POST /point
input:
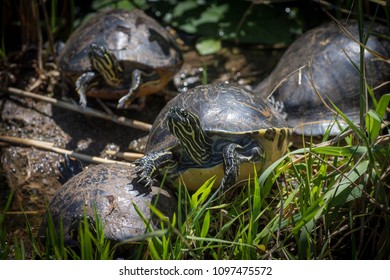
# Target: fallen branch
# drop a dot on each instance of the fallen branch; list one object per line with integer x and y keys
{"x": 50, "y": 147}
{"x": 77, "y": 108}
{"x": 32, "y": 212}
{"x": 125, "y": 155}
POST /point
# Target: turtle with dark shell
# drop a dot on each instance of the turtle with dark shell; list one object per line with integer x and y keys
{"x": 322, "y": 67}
{"x": 221, "y": 130}
{"x": 120, "y": 54}
{"x": 113, "y": 190}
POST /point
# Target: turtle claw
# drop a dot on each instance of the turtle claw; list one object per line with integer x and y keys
{"x": 126, "y": 102}
{"x": 81, "y": 85}
{"x": 144, "y": 172}
{"x": 122, "y": 102}
{"x": 138, "y": 169}
{"x": 69, "y": 168}
{"x": 136, "y": 82}
{"x": 147, "y": 180}
{"x": 83, "y": 101}
{"x": 150, "y": 166}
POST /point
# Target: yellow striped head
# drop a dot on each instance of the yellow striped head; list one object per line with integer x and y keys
{"x": 187, "y": 128}
{"x": 106, "y": 64}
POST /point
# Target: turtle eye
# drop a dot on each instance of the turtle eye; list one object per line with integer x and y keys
{"x": 183, "y": 113}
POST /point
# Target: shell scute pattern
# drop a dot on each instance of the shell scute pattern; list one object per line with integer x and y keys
{"x": 236, "y": 127}
{"x": 321, "y": 66}
{"x": 143, "y": 50}
{"x": 112, "y": 189}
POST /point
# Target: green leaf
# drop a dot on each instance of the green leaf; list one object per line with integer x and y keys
{"x": 373, "y": 124}
{"x": 183, "y": 7}
{"x": 383, "y": 103}
{"x": 152, "y": 250}
{"x": 256, "y": 206}
{"x": 232, "y": 20}
{"x": 267, "y": 172}
{"x": 340, "y": 151}
{"x": 350, "y": 123}
{"x": 346, "y": 190}
{"x": 158, "y": 213}
{"x": 374, "y": 118}
{"x": 205, "y": 226}
{"x": 121, "y": 4}
{"x": 208, "y": 46}
{"x": 313, "y": 212}
{"x": 339, "y": 194}
{"x": 202, "y": 193}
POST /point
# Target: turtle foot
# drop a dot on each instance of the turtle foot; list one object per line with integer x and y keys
{"x": 144, "y": 170}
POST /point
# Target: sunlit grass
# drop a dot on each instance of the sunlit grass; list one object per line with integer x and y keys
{"x": 324, "y": 201}
{"x": 318, "y": 202}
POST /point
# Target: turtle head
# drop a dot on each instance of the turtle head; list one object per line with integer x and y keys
{"x": 187, "y": 128}
{"x": 106, "y": 64}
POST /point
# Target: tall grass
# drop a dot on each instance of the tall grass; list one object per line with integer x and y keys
{"x": 318, "y": 202}
{"x": 4, "y": 247}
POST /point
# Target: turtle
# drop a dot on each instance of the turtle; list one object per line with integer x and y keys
{"x": 221, "y": 130}
{"x": 120, "y": 54}
{"x": 112, "y": 189}
{"x": 322, "y": 66}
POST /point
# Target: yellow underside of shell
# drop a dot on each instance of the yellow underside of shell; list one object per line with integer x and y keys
{"x": 274, "y": 148}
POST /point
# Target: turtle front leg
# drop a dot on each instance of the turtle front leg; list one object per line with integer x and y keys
{"x": 233, "y": 156}
{"x": 69, "y": 168}
{"x": 136, "y": 81}
{"x": 82, "y": 85}
{"x": 150, "y": 165}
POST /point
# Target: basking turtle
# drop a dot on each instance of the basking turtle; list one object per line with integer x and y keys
{"x": 120, "y": 54}
{"x": 112, "y": 189}
{"x": 221, "y": 130}
{"x": 324, "y": 62}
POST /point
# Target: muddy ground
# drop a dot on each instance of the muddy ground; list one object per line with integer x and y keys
{"x": 31, "y": 174}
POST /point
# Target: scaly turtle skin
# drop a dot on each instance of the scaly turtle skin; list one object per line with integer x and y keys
{"x": 321, "y": 54}
{"x": 221, "y": 130}
{"x": 120, "y": 54}
{"x": 113, "y": 188}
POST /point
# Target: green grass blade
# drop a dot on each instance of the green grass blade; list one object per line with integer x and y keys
{"x": 19, "y": 250}
{"x": 256, "y": 204}
{"x": 202, "y": 193}
{"x": 158, "y": 213}
{"x": 346, "y": 151}
{"x": 351, "y": 124}
{"x": 4, "y": 246}
{"x": 267, "y": 172}
{"x": 374, "y": 118}
{"x": 222, "y": 241}
{"x": 152, "y": 250}
{"x": 347, "y": 189}
{"x": 205, "y": 224}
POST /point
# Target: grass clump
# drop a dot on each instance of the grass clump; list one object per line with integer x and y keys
{"x": 326, "y": 201}
{"x": 335, "y": 201}
{"x": 4, "y": 246}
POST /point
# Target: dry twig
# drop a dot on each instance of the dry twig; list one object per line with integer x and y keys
{"x": 76, "y": 108}
{"x": 50, "y": 147}
{"x": 126, "y": 155}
